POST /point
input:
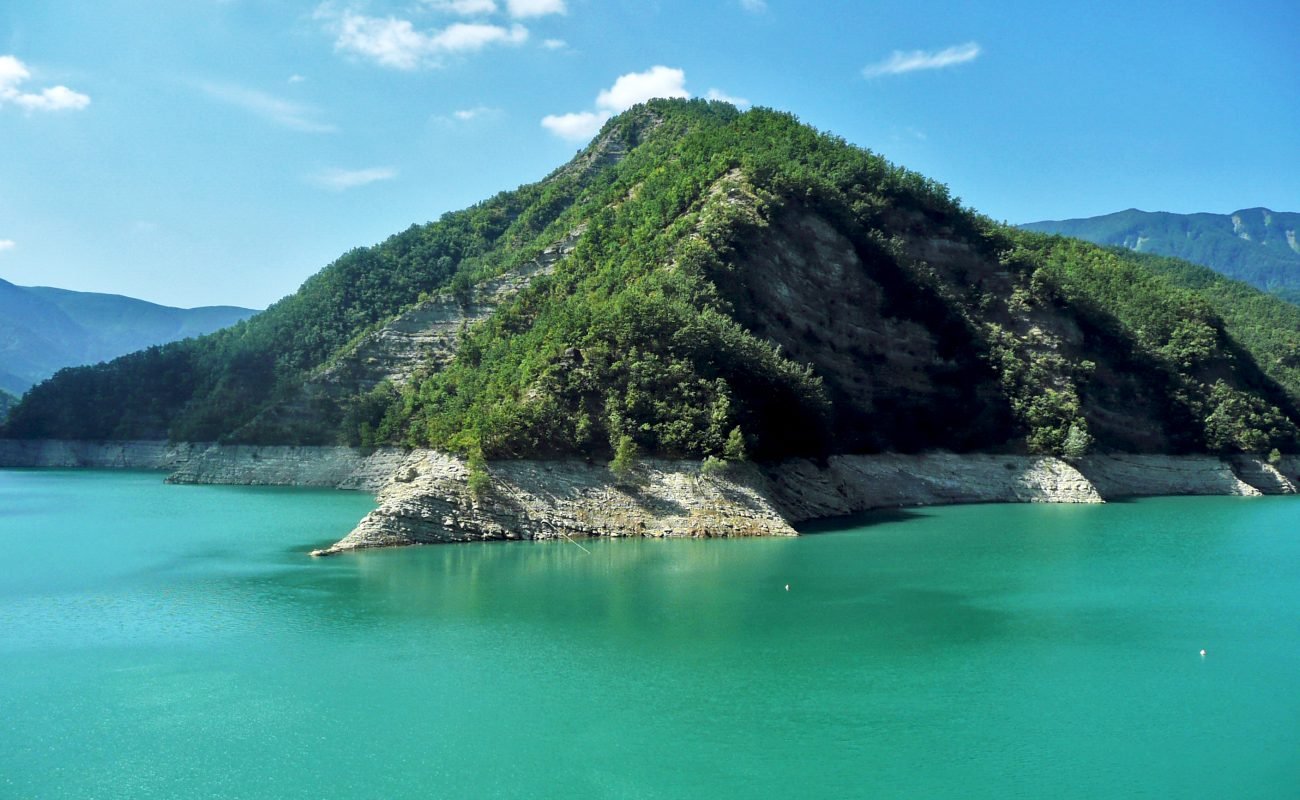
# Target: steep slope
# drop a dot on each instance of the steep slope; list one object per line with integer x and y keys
{"x": 1254, "y": 245}
{"x": 703, "y": 283}
{"x": 43, "y": 329}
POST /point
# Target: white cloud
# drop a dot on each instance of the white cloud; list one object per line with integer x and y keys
{"x": 465, "y": 8}
{"x": 555, "y": 44}
{"x": 900, "y": 62}
{"x": 462, "y": 37}
{"x": 627, "y": 91}
{"x": 638, "y": 87}
{"x": 295, "y": 78}
{"x": 338, "y": 180}
{"x": 393, "y": 42}
{"x": 7, "y": 244}
{"x": 478, "y": 112}
{"x": 390, "y": 42}
{"x": 754, "y": 6}
{"x": 520, "y": 9}
{"x": 55, "y": 98}
{"x": 285, "y": 113}
{"x": 576, "y": 127}
{"x": 718, "y": 94}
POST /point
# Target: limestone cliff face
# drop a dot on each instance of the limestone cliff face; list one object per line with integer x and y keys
{"x": 849, "y": 484}
{"x": 1145, "y": 475}
{"x": 428, "y": 502}
{"x": 282, "y": 465}
{"x": 423, "y": 495}
{"x": 65, "y": 453}
{"x": 187, "y": 462}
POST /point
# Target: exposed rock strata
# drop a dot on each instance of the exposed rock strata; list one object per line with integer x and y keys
{"x": 423, "y": 496}
{"x": 849, "y": 484}
{"x": 1148, "y": 475}
{"x": 336, "y": 467}
{"x": 424, "y": 337}
{"x": 146, "y": 455}
{"x": 428, "y": 502}
{"x": 188, "y": 462}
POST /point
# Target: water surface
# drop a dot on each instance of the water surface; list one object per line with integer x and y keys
{"x": 174, "y": 641}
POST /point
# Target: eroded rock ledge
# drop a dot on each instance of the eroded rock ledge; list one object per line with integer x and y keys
{"x": 428, "y": 502}
{"x": 423, "y": 495}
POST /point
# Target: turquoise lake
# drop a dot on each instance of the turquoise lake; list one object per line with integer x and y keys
{"x": 176, "y": 642}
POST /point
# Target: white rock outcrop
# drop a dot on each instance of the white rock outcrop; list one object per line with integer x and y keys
{"x": 424, "y": 498}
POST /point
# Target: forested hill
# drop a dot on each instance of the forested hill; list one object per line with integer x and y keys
{"x": 705, "y": 283}
{"x": 7, "y": 402}
{"x": 1254, "y": 245}
{"x": 43, "y": 329}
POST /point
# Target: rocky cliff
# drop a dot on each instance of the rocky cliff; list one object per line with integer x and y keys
{"x": 428, "y": 501}
{"x": 143, "y": 455}
{"x": 423, "y": 495}
{"x": 187, "y": 462}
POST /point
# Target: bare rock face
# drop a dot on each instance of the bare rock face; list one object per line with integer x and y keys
{"x": 428, "y": 502}
{"x": 850, "y": 484}
{"x": 1147, "y": 475}
{"x": 1260, "y": 474}
{"x": 287, "y": 465}
{"x": 424, "y": 496}
{"x": 66, "y": 453}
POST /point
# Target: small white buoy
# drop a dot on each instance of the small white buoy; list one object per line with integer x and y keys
{"x": 1202, "y": 654}
{"x": 787, "y": 588}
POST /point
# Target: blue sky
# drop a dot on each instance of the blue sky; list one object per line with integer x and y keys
{"x": 220, "y": 151}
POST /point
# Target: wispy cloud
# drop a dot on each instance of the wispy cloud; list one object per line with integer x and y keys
{"x": 296, "y": 78}
{"x": 478, "y": 112}
{"x": 754, "y": 6}
{"x": 338, "y": 180}
{"x": 55, "y": 98}
{"x": 397, "y": 43}
{"x": 7, "y": 244}
{"x": 521, "y": 9}
{"x": 555, "y": 44}
{"x": 466, "y": 8}
{"x": 276, "y": 110}
{"x": 627, "y": 91}
{"x": 716, "y": 94}
{"x": 901, "y": 61}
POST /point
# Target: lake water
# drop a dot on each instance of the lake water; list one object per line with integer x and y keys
{"x": 175, "y": 642}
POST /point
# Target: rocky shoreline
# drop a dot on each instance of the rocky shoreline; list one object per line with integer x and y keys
{"x": 423, "y": 495}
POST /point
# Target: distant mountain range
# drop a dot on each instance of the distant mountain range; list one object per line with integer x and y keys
{"x": 43, "y": 329}
{"x": 1254, "y": 245}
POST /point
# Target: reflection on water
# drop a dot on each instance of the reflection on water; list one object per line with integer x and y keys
{"x": 153, "y": 637}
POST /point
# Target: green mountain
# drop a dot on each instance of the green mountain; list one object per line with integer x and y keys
{"x": 43, "y": 330}
{"x": 1254, "y": 245}
{"x": 705, "y": 283}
